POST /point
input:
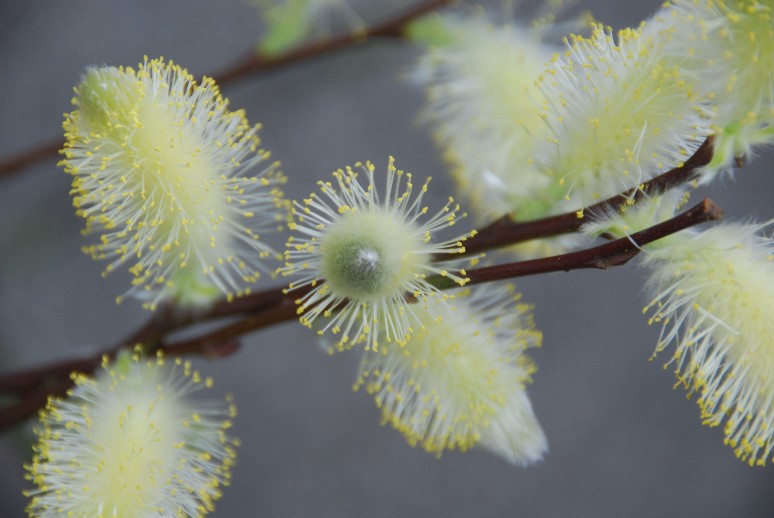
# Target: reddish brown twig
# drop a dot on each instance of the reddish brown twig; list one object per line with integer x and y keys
{"x": 24, "y": 382}
{"x": 284, "y": 311}
{"x": 221, "y": 341}
{"x": 17, "y": 412}
{"x": 614, "y": 253}
{"x": 21, "y": 161}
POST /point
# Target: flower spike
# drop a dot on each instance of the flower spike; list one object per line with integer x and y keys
{"x": 714, "y": 299}
{"x": 730, "y": 48}
{"x": 161, "y": 169}
{"x": 460, "y": 381}
{"x": 362, "y": 252}
{"x": 485, "y": 109}
{"x": 620, "y": 110}
{"x": 130, "y": 442}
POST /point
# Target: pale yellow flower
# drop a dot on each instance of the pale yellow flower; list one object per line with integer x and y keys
{"x": 367, "y": 250}
{"x": 730, "y": 49}
{"x": 131, "y": 442}
{"x": 460, "y": 380}
{"x": 713, "y": 296}
{"x": 174, "y": 183}
{"x": 620, "y": 111}
{"x": 485, "y": 108}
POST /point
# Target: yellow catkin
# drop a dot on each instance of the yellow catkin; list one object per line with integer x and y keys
{"x": 131, "y": 442}
{"x": 367, "y": 248}
{"x": 713, "y": 298}
{"x": 173, "y": 182}
{"x": 460, "y": 380}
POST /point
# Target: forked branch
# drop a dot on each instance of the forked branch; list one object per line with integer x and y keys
{"x": 270, "y": 307}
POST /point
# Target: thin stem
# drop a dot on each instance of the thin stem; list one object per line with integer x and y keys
{"x": 53, "y": 380}
{"x": 285, "y": 311}
{"x": 30, "y": 157}
{"x": 275, "y": 306}
{"x": 21, "y": 383}
{"x": 149, "y": 336}
{"x": 505, "y": 231}
{"x": 16, "y": 413}
{"x": 253, "y": 63}
{"x": 614, "y": 253}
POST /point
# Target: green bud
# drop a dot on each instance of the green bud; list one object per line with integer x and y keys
{"x": 356, "y": 267}
{"x": 106, "y": 96}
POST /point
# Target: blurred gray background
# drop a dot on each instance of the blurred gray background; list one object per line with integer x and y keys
{"x": 622, "y": 441}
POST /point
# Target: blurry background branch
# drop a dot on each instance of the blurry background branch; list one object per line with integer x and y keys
{"x": 255, "y": 63}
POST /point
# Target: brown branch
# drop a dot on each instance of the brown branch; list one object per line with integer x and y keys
{"x": 614, "y": 253}
{"x": 16, "y": 163}
{"x": 274, "y": 306}
{"x": 505, "y": 231}
{"x": 16, "y": 413}
{"x": 253, "y": 63}
{"x": 150, "y": 335}
{"x": 284, "y": 311}
{"x": 22, "y": 383}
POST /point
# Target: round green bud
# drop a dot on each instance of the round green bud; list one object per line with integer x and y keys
{"x": 368, "y": 256}
{"x": 107, "y": 95}
{"x": 356, "y": 268}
